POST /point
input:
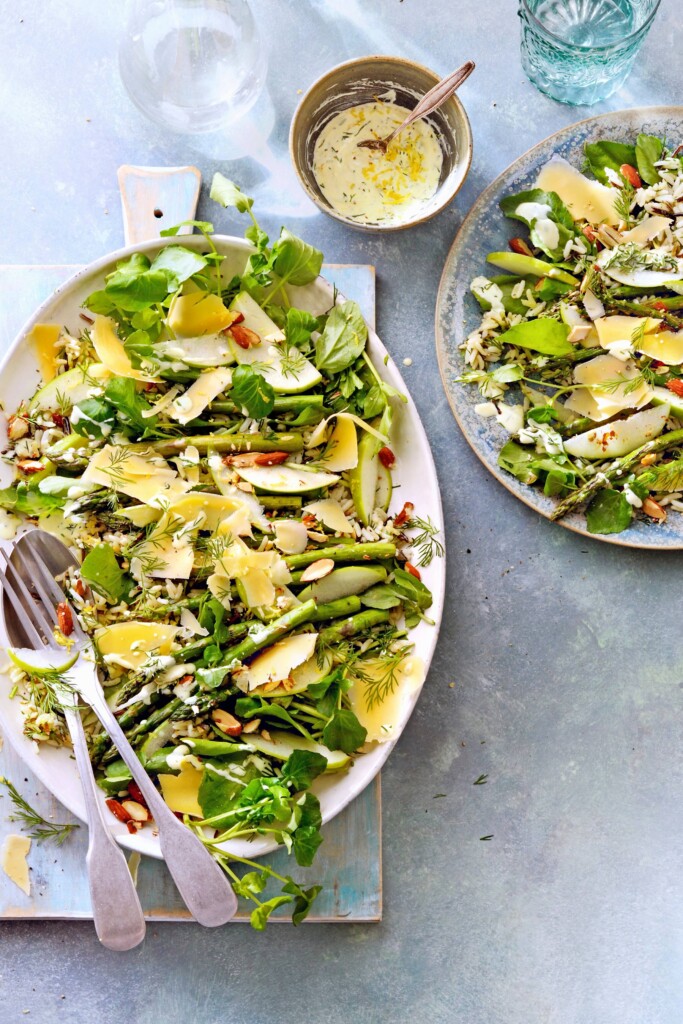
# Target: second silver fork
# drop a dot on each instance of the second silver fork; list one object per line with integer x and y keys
{"x": 117, "y": 914}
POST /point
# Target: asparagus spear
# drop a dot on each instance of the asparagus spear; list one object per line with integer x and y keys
{"x": 344, "y": 553}
{"x": 353, "y": 625}
{"x": 224, "y": 443}
{"x": 647, "y": 309}
{"x": 336, "y": 609}
{"x": 270, "y": 632}
{"x": 283, "y": 403}
{"x": 618, "y": 468}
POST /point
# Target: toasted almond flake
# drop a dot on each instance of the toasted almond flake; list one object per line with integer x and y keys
{"x": 252, "y": 726}
{"x": 135, "y": 810}
{"x": 316, "y": 570}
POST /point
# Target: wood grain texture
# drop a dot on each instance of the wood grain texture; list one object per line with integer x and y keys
{"x": 155, "y": 198}
{"x": 348, "y": 864}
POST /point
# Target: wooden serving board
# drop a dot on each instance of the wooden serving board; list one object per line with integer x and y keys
{"x": 348, "y": 864}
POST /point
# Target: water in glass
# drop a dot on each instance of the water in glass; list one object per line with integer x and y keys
{"x": 192, "y": 65}
{"x": 581, "y": 51}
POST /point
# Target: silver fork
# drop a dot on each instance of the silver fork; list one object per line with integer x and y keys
{"x": 200, "y": 880}
{"x": 117, "y": 914}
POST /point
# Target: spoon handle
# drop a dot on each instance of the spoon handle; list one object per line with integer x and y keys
{"x": 442, "y": 91}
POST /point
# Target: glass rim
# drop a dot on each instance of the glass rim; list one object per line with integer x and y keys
{"x": 524, "y": 4}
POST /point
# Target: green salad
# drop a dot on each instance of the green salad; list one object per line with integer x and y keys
{"x": 222, "y": 462}
{"x": 584, "y": 327}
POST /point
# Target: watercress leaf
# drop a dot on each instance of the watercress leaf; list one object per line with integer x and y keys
{"x": 507, "y": 373}
{"x": 483, "y": 293}
{"x": 217, "y": 793}
{"x": 144, "y": 319}
{"x": 344, "y": 732}
{"x": 412, "y": 589}
{"x": 648, "y": 151}
{"x": 212, "y": 654}
{"x": 304, "y": 899}
{"x": 299, "y": 325}
{"x": 318, "y": 690}
{"x": 294, "y": 260}
{"x": 380, "y": 596}
{"x": 133, "y": 285}
{"x": 549, "y": 337}
{"x": 302, "y": 767}
{"x": 211, "y": 678}
{"x": 519, "y": 461}
{"x": 558, "y": 481}
{"x": 305, "y": 842}
{"x": 374, "y": 401}
{"x": 121, "y": 392}
{"x": 93, "y": 417}
{"x": 524, "y": 207}
{"x": 541, "y": 414}
{"x": 257, "y": 237}
{"x": 342, "y": 340}
{"x": 179, "y": 264}
{"x": 29, "y": 502}
{"x": 100, "y": 302}
{"x": 310, "y": 813}
{"x": 309, "y": 415}
{"x": 101, "y": 571}
{"x": 602, "y": 155}
{"x": 227, "y": 193}
{"x": 204, "y": 226}
{"x": 548, "y": 289}
{"x": 251, "y": 391}
{"x": 608, "y": 512}
{"x": 259, "y": 916}
{"x": 254, "y": 881}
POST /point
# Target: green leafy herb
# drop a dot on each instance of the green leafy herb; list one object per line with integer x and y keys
{"x": 93, "y": 417}
{"x": 227, "y": 193}
{"x": 519, "y": 461}
{"x": 29, "y": 502}
{"x": 342, "y": 340}
{"x": 557, "y": 212}
{"x": 252, "y": 392}
{"x": 666, "y": 477}
{"x": 134, "y": 285}
{"x": 549, "y": 337}
{"x": 299, "y": 325}
{"x": 344, "y": 732}
{"x": 605, "y": 154}
{"x": 648, "y": 151}
{"x": 426, "y": 542}
{"x": 122, "y": 393}
{"x": 33, "y": 822}
{"x": 102, "y": 572}
{"x": 179, "y": 264}
{"x": 302, "y": 767}
{"x": 608, "y": 512}
{"x": 294, "y": 260}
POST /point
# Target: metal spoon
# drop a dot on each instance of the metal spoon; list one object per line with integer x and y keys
{"x": 430, "y": 102}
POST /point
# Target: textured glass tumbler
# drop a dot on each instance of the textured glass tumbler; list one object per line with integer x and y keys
{"x": 192, "y": 65}
{"x": 581, "y": 51}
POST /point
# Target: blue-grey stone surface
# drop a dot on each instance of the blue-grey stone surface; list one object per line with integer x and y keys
{"x": 565, "y": 653}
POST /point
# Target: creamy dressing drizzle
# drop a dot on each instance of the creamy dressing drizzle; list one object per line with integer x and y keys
{"x": 373, "y": 187}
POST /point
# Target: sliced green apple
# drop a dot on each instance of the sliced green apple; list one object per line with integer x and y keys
{"x": 518, "y": 263}
{"x": 70, "y": 388}
{"x": 662, "y": 396}
{"x": 41, "y": 663}
{"x": 620, "y": 437}
{"x": 282, "y": 744}
{"x": 344, "y": 582}
{"x": 286, "y": 479}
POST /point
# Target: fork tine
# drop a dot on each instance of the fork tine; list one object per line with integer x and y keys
{"x": 51, "y": 594}
{"x": 24, "y": 607}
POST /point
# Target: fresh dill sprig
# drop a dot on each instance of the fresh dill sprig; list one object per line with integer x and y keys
{"x": 624, "y": 201}
{"x": 646, "y": 376}
{"x": 33, "y": 823}
{"x": 380, "y": 685}
{"x": 426, "y": 542}
{"x": 668, "y": 477}
{"x": 42, "y": 691}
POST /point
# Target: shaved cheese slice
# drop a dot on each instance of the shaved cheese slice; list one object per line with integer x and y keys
{"x": 213, "y": 511}
{"x": 331, "y": 514}
{"x": 181, "y": 792}
{"x": 382, "y": 718}
{"x": 341, "y": 452}
{"x": 163, "y": 402}
{"x": 15, "y": 850}
{"x": 258, "y": 589}
{"x": 666, "y": 346}
{"x": 148, "y": 478}
{"x": 317, "y": 436}
{"x": 194, "y": 401}
{"x": 276, "y": 662}
{"x": 164, "y": 555}
{"x": 583, "y": 403}
{"x": 602, "y": 374}
{"x": 291, "y": 536}
{"x": 132, "y": 642}
{"x": 111, "y": 352}
{"x": 44, "y": 338}
{"x": 198, "y": 313}
{"x": 613, "y": 329}
{"x": 258, "y": 572}
{"x": 140, "y": 515}
{"x": 648, "y": 229}
{"x": 190, "y": 622}
{"x": 585, "y": 199}
{"x": 618, "y": 263}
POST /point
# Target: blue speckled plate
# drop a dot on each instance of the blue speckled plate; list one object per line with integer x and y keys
{"x": 486, "y": 230}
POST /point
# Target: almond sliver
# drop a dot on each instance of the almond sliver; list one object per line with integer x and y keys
{"x": 316, "y": 570}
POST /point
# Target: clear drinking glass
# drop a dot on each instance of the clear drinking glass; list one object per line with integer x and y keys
{"x": 581, "y": 51}
{"x": 192, "y": 65}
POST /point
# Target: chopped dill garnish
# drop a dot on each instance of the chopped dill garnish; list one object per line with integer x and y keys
{"x": 32, "y": 822}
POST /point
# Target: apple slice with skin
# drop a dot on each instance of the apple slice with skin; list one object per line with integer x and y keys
{"x": 620, "y": 437}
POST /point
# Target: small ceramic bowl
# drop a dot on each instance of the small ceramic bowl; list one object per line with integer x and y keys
{"x": 362, "y": 81}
